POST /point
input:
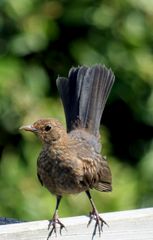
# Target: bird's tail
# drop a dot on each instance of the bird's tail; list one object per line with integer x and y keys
{"x": 84, "y": 94}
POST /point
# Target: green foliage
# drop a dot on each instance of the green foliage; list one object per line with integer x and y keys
{"x": 41, "y": 39}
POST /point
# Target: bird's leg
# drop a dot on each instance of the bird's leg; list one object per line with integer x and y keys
{"x": 94, "y": 215}
{"x": 55, "y": 220}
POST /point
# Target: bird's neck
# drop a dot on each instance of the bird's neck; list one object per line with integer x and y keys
{"x": 59, "y": 143}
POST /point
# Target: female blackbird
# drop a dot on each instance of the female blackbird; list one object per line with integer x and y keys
{"x": 70, "y": 161}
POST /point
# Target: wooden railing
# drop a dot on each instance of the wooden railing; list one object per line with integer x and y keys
{"x": 124, "y": 225}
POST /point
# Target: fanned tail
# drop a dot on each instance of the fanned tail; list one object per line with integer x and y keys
{"x": 84, "y": 94}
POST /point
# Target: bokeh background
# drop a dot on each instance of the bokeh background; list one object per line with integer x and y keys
{"x": 40, "y": 40}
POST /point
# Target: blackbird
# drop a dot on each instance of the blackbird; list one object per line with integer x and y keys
{"x": 70, "y": 161}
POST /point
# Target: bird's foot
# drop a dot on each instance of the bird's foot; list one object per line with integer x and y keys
{"x": 52, "y": 226}
{"x": 99, "y": 222}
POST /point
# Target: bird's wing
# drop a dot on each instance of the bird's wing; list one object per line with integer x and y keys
{"x": 97, "y": 173}
{"x": 104, "y": 175}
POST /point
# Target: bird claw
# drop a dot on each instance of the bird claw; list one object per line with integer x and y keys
{"x": 53, "y": 226}
{"x": 99, "y": 222}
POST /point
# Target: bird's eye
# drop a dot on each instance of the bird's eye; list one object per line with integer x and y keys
{"x": 47, "y": 128}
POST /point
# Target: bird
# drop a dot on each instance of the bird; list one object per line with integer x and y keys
{"x": 70, "y": 161}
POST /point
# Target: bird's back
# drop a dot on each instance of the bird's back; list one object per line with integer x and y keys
{"x": 96, "y": 171}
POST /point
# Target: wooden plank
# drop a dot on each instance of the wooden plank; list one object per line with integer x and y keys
{"x": 124, "y": 225}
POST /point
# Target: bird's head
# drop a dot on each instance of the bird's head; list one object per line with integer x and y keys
{"x": 48, "y": 130}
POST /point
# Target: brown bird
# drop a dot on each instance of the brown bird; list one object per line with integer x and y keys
{"x": 70, "y": 161}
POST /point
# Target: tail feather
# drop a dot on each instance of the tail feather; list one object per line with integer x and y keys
{"x": 84, "y": 94}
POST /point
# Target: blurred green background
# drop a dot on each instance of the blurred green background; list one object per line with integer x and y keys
{"x": 40, "y": 40}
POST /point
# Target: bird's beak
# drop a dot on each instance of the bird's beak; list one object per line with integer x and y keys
{"x": 29, "y": 128}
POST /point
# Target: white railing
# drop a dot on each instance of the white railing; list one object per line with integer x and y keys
{"x": 124, "y": 225}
